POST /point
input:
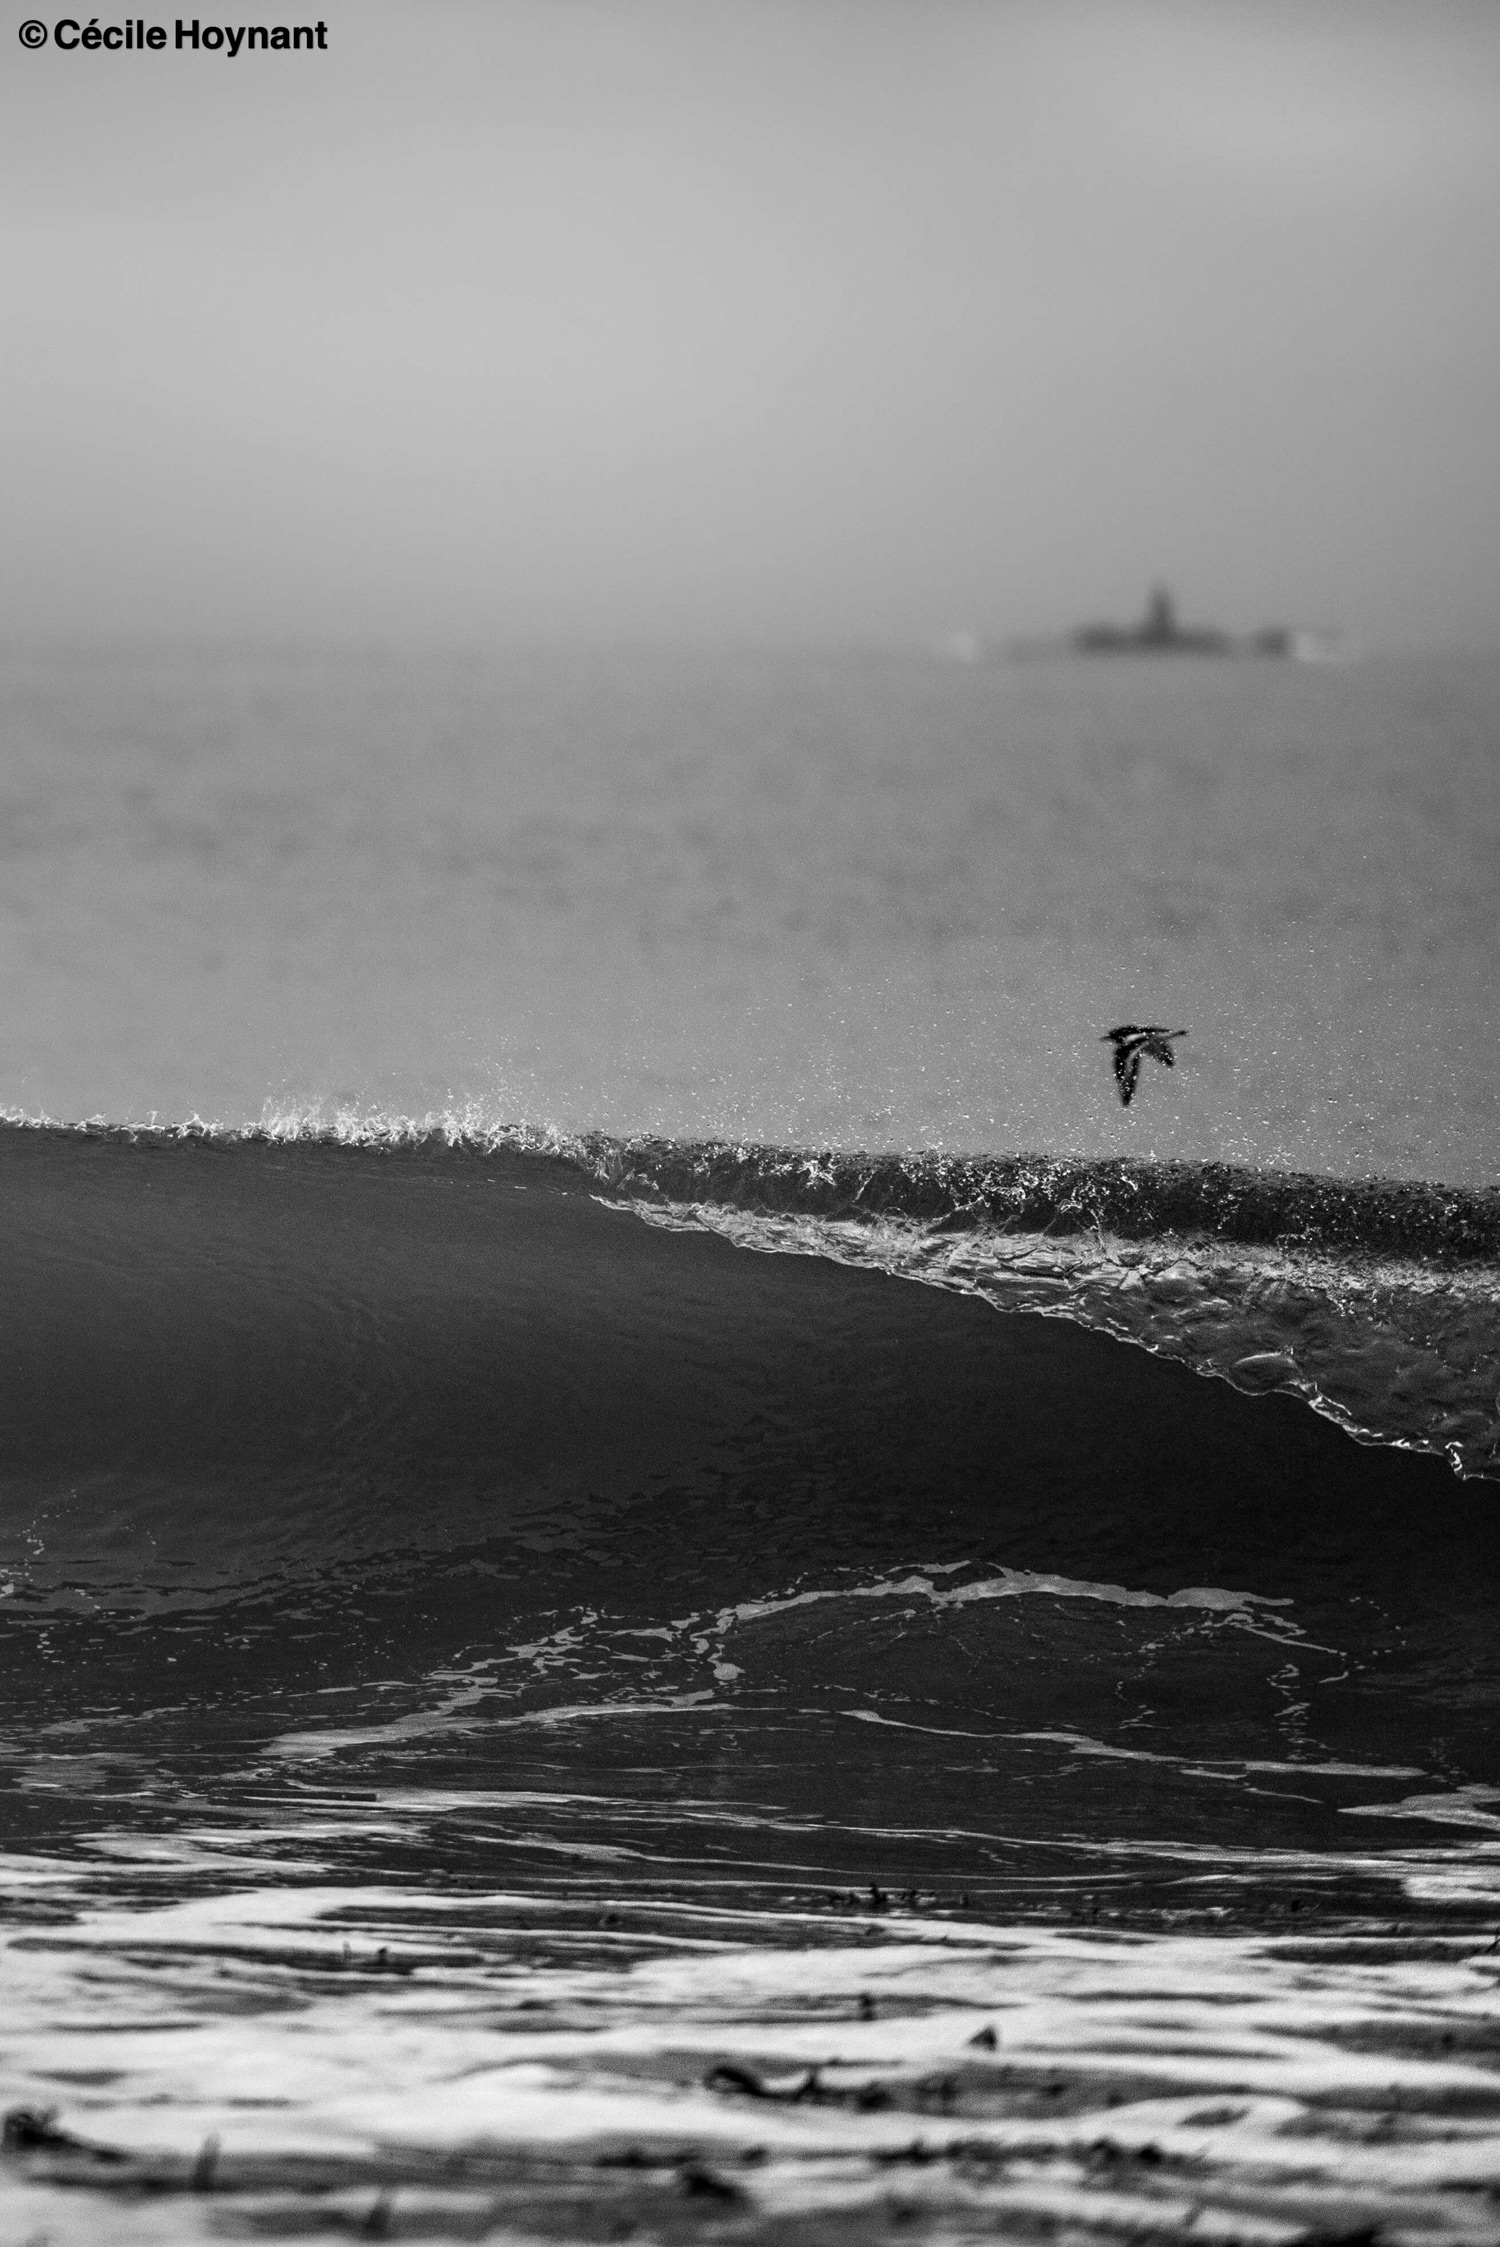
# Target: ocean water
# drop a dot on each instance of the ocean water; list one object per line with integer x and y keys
{"x": 866, "y": 902}
{"x": 658, "y": 1576}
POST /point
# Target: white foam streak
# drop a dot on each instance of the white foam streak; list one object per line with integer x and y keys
{"x": 1247, "y": 2080}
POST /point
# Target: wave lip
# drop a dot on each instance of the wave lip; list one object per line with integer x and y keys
{"x": 1128, "y": 1197}
{"x": 1131, "y": 1199}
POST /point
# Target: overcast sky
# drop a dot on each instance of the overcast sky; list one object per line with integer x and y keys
{"x": 748, "y": 319}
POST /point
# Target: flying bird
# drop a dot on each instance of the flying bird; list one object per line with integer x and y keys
{"x": 1131, "y": 1040}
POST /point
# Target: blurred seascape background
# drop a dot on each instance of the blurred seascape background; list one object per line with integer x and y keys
{"x": 865, "y": 899}
{"x": 497, "y": 508}
{"x": 544, "y": 749}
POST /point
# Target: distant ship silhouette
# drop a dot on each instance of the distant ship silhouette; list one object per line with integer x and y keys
{"x": 1159, "y": 633}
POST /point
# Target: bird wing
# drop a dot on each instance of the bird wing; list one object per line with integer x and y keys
{"x": 1127, "y": 1069}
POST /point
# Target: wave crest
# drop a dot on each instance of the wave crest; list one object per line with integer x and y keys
{"x": 1376, "y": 1301}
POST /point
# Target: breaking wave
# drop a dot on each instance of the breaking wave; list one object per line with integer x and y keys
{"x": 1377, "y": 1302}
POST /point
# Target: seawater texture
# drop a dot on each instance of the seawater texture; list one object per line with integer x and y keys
{"x": 524, "y": 1720}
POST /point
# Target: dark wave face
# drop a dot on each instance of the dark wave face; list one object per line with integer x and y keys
{"x": 520, "y": 1715}
{"x": 283, "y": 1417}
